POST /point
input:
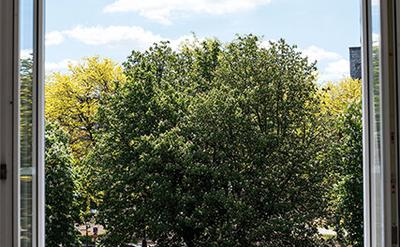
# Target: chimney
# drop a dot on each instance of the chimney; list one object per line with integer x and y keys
{"x": 355, "y": 62}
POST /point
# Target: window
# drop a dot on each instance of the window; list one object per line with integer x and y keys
{"x": 225, "y": 136}
{"x": 230, "y": 135}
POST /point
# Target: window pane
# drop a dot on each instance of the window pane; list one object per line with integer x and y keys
{"x": 27, "y": 170}
{"x": 376, "y": 114}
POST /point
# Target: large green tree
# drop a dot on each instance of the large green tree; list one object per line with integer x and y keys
{"x": 213, "y": 145}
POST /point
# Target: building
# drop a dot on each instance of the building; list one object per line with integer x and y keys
{"x": 355, "y": 62}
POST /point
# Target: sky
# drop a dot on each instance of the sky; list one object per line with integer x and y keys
{"x": 322, "y": 29}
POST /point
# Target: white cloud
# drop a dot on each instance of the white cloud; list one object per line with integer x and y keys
{"x": 266, "y": 43}
{"x": 54, "y": 38}
{"x": 163, "y": 11}
{"x": 335, "y": 71}
{"x": 25, "y": 54}
{"x": 376, "y": 38}
{"x": 332, "y": 66}
{"x": 98, "y": 35}
{"x": 185, "y": 39}
{"x": 59, "y": 66}
{"x": 112, "y": 34}
{"x": 319, "y": 54}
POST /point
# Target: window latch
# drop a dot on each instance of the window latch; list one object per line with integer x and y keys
{"x": 3, "y": 172}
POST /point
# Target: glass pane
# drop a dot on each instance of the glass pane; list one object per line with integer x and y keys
{"x": 376, "y": 115}
{"x": 26, "y": 122}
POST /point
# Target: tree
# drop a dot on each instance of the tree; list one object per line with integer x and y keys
{"x": 342, "y": 108}
{"x": 213, "y": 145}
{"x": 61, "y": 190}
{"x": 72, "y": 101}
{"x": 350, "y": 187}
{"x": 336, "y": 97}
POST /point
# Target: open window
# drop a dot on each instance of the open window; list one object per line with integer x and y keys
{"x": 22, "y": 202}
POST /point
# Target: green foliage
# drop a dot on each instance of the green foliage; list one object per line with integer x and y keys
{"x": 72, "y": 101}
{"x": 210, "y": 145}
{"x": 61, "y": 193}
{"x": 213, "y": 145}
{"x": 349, "y": 189}
{"x": 343, "y": 115}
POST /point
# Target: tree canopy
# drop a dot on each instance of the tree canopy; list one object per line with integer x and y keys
{"x": 213, "y": 145}
{"x": 72, "y": 98}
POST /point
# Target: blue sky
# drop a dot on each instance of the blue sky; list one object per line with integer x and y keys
{"x": 322, "y": 29}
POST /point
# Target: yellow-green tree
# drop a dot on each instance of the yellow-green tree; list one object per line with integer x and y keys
{"x": 72, "y": 102}
{"x": 72, "y": 98}
{"x": 342, "y": 108}
{"x": 336, "y": 96}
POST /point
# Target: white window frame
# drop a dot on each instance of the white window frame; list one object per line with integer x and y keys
{"x": 386, "y": 234}
{"x": 9, "y": 123}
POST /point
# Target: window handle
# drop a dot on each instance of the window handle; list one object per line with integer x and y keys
{"x": 3, "y": 172}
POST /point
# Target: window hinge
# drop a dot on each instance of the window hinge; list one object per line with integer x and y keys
{"x": 3, "y": 172}
{"x": 392, "y": 137}
{"x": 394, "y": 234}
